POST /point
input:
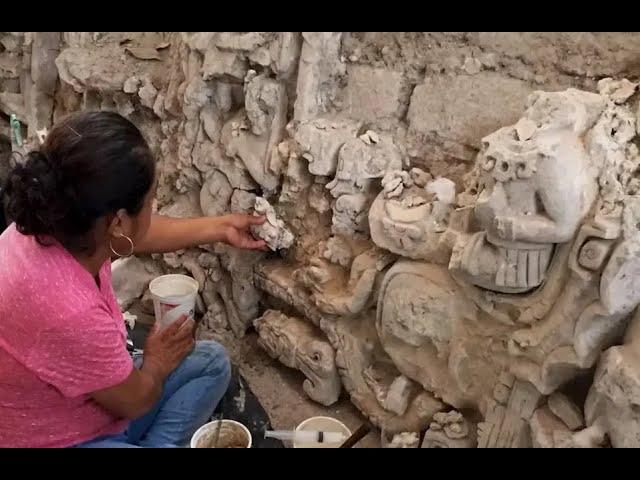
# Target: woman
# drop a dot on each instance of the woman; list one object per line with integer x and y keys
{"x": 66, "y": 378}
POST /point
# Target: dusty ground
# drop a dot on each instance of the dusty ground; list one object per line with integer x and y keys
{"x": 279, "y": 389}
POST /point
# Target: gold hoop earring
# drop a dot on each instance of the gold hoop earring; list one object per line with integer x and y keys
{"x": 117, "y": 254}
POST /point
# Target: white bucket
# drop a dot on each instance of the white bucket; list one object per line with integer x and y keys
{"x": 324, "y": 424}
{"x": 205, "y": 434}
{"x": 173, "y": 296}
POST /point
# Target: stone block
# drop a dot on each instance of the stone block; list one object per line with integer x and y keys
{"x": 373, "y": 93}
{"x": 467, "y": 107}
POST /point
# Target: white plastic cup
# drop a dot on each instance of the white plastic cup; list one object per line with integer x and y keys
{"x": 209, "y": 430}
{"x": 323, "y": 424}
{"x": 173, "y": 296}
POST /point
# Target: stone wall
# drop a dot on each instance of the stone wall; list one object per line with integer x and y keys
{"x": 437, "y": 92}
{"x": 331, "y": 128}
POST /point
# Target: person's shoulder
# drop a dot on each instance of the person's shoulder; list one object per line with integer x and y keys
{"x": 25, "y": 252}
{"x": 9, "y": 235}
{"x": 45, "y": 267}
{"x": 40, "y": 286}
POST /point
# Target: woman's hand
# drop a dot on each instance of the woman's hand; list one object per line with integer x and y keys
{"x": 165, "y": 349}
{"x": 236, "y": 231}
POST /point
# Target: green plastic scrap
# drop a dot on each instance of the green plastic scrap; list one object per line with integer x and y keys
{"x": 16, "y": 130}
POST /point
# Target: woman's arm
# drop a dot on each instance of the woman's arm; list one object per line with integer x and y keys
{"x": 136, "y": 395}
{"x": 163, "y": 351}
{"x": 167, "y": 234}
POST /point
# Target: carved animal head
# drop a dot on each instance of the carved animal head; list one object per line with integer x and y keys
{"x": 316, "y": 359}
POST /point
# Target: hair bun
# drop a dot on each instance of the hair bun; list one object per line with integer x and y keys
{"x": 33, "y": 196}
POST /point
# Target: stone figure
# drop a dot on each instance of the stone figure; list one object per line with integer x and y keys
{"x": 411, "y": 214}
{"x": 361, "y": 161}
{"x": 298, "y": 344}
{"x": 525, "y": 206}
{"x": 538, "y": 281}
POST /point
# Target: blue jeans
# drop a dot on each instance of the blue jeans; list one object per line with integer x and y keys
{"x": 188, "y": 400}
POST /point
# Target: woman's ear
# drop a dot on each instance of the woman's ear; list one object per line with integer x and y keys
{"x": 119, "y": 224}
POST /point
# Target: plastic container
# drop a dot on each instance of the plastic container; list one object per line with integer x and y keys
{"x": 205, "y": 434}
{"x": 173, "y": 296}
{"x": 324, "y": 424}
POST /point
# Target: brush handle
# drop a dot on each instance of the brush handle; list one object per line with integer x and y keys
{"x": 358, "y": 435}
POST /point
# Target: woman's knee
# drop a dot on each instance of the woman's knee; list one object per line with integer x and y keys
{"x": 217, "y": 362}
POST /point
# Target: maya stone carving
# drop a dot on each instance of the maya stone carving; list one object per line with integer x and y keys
{"x": 451, "y": 266}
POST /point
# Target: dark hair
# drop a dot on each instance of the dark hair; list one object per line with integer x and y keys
{"x": 91, "y": 164}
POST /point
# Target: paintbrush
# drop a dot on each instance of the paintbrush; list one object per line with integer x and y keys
{"x": 356, "y": 436}
{"x": 216, "y": 435}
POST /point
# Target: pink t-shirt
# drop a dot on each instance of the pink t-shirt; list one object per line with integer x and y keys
{"x": 61, "y": 338}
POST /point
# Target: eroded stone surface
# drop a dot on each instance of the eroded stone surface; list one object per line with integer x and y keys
{"x": 563, "y": 408}
{"x": 273, "y": 230}
{"x": 450, "y": 430}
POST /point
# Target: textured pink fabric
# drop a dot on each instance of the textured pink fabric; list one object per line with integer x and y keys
{"x": 61, "y": 338}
